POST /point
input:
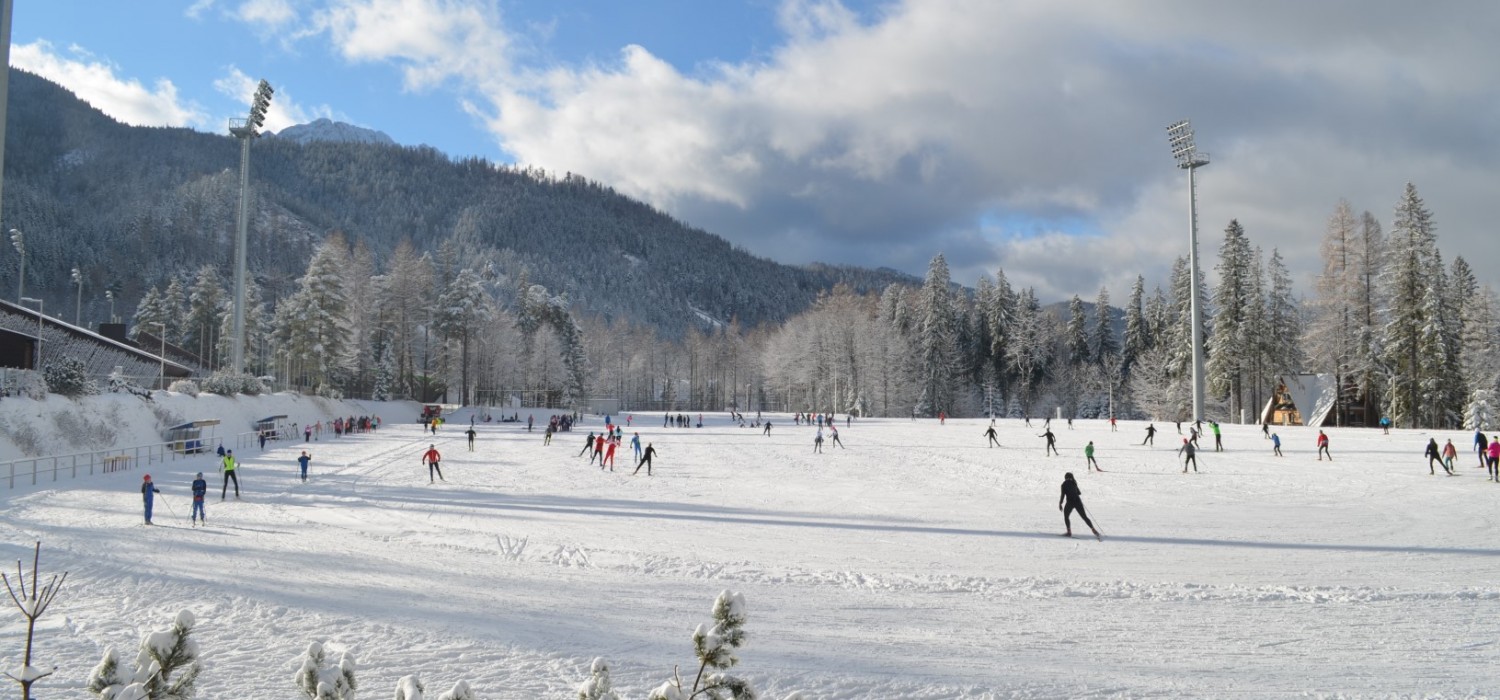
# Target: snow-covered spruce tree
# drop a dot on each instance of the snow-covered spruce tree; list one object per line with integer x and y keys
{"x": 1481, "y": 343}
{"x": 174, "y": 309}
{"x": 461, "y": 308}
{"x": 1480, "y": 413}
{"x": 598, "y": 685}
{"x": 319, "y": 680}
{"x": 385, "y": 375}
{"x": 1030, "y": 346}
{"x": 1137, "y": 329}
{"x": 1440, "y": 389}
{"x": 1227, "y": 354}
{"x": 1411, "y": 254}
{"x": 67, "y": 376}
{"x": 1076, "y": 335}
{"x": 149, "y": 311}
{"x": 936, "y": 337}
{"x": 714, "y": 646}
{"x": 166, "y": 667}
{"x": 313, "y": 325}
{"x": 1103, "y": 346}
{"x": 201, "y": 325}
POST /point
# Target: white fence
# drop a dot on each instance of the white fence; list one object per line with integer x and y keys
{"x": 39, "y": 469}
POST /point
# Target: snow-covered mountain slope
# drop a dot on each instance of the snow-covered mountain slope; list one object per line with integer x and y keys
{"x": 327, "y": 130}
{"x": 916, "y": 563}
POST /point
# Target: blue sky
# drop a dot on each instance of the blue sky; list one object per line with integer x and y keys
{"x": 1013, "y": 134}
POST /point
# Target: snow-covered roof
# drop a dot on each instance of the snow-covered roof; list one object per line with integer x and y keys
{"x": 28, "y": 316}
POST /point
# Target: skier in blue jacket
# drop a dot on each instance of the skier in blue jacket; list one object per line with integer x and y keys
{"x": 148, "y": 493}
{"x": 200, "y": 489}
{"x": 303, "y": 460}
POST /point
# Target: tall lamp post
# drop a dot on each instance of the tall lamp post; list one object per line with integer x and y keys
{"x": 110, "y": 295}
{"x": 39, "y": 313}
{"x": 245, "y": 130}
{"x": 162, "y": 335}
{"x": 18, "y": 240}
{"x": 1180, "y": 136}
{"x": 78, "y": 307}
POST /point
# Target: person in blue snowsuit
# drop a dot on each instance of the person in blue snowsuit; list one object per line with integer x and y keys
{"x": 635, "y": 442}
{"x": 200, "y": 489}
{"x": 303, "y": 460}
{"x": 148, "y": 493}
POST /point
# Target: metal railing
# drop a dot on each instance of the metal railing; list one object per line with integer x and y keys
{"x": 104, "y": 461}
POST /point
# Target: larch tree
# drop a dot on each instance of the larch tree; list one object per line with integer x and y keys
{"x": 1333, "y": 325}
{"x": 461, "y": 309}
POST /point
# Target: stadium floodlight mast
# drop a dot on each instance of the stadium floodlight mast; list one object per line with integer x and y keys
{"x": 245, "y": 130}
{"x": 40, "y": 311}
{"x": 1180, "y": 136}
{"x": 78, "y": 307}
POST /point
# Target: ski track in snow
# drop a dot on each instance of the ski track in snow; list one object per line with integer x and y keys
{"x": 916, "y": 563}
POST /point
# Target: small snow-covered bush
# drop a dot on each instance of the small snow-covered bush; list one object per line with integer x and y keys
{"x": 714, "y": 645}
{"x": 460, "y": 691}
{"x": 328, "y": 391}
{"x": 119, "y": 383}
{"x": 31, "y": 385}
{"x": 163, "y": 654}
{"x": 67, "y": 376}
{"x": 184, "y": 386}
{"x": 229, "y": 384}
{"x": 598, "y": 686}
{"x": 83, "y": 431}
{"x": 409, "y": 688}
{"x": 320, "y": 681}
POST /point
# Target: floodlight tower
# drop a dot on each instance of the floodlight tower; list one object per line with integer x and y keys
{"x": 1180, "y": 136}
{"x": 245, "y": 130}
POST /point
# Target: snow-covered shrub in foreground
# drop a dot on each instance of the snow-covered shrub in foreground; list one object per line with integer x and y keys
{"x": 598, "y": 686}
{"x": 715, "y": 647}
{"x": 229, "y": 384}
{"x": 67, "y": 376}
{"x": 163, "y": 653}
{"x": 319, "y": 681}
{"x": 409, "y": 688}
{"x": 184, "y": 386}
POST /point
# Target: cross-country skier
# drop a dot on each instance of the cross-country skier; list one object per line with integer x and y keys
{"x": 818, "y": 441}
{"x": 200, "y": 489}
{"x": 1450, "y": 453}
{"x": 1218, "y": 439}
{"x": 1494, "y": 462}
{"x": 431, "y": 457}
{"x": 547, "y": 435}
{"x": 1112, "y": 427}
{"x": 646, "y": 460}
{"x": 1051, "y": 442}
{"x": 1189, "y": 455}
{"x": 635, "y": 442}
{"x": 1481, "y": 446}
{"x": 993, "y": 441}
{"x": 834, "y": 431}
{"x": 1276, "y": 445}
{"x": 598, "y": 450}
{"x": 1071, "y": 500}
{"x": 588, "y": 444}
{"x": 148, "y": 493}
{"x": 1150, "y": 435}
{"x": 470, "y": 432}
{"x": 1088, "y": 452}
{"x": 609, "y": 454}
{"x": 1385, "y": 425}
{"x": 767, "y": 431}
{"x": 1323, "y": 446}
{"x": 229, "y": 466}
{"x": 1434, "y": 455}
{"x": 303, "y": 460}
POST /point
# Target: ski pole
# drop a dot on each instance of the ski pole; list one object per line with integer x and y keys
{"x": 168, "y": 505}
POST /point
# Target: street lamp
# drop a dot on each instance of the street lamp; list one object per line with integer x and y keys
{"x": 78, "y": 308}
{"x": 110, "y": 295}
{"x": 39, "y": 312}
{"x": 245, "y": 130}
{"x": 162, "y": 335}
{"x": 1180, "y": 137}
{"x": 18, "y": 240}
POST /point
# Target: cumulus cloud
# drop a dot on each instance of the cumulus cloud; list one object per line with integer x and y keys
{"x": 1028, "y": 135}
{"x": 96, "y": 82}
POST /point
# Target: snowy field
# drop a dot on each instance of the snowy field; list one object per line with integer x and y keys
{"x": 916, "y": 563}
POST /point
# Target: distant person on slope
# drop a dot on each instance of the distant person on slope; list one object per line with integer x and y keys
{"x": 767, "y": 431}
{"x": 302, "y": 461}
{"x": 1150, "y": 435}
{"x": 834, "y": 431}
{"x": 229, "y": 466}
{"x": 1189, "y": 455}
{"x": 200, "y": 489}
{"x": 1051, "y": 447}
{"x": 818, "y": 441}
{"x": 635, "y": 443}
{"x": 431, "y": 457}
{"x": 470, "y": 432}
{"x": 1088, "y": 453}
{"x": 1323, "y": 446}
{"x": 1494, "y": 462}
{"x": 1434, "y": 455}
{"x": 1450, "y": 453}
{"x": 990, "y": 433}
{"x": 1071, "y": 500}
{"x": 645, "y": 460}
{"x": 1276, "y": 445}
{"x": 588, "y": 444}
{"x": 1218, "y": 439}
{"x": 148, "y": 494}
{"x": 1481, "y": 446}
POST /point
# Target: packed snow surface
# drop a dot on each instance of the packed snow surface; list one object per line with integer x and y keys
{"x": 916, "y": 563}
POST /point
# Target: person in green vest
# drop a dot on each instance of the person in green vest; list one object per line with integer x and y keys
{"x": 228, "y": 466}
{"x": 1088, "y": 451}
{"x": 1218, "y": 439}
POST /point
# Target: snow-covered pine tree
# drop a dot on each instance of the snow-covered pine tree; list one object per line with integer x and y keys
{"x": 461, "y": 308}
{"x": 1000, "y": 314}
{"x": 320, "y": 680}
{"x": 1137, "y": 330}
{"x": 597, "y": 686}
{"x": 1103, "y": 347}
{"x": 1227, "y": 355}
{"x": 1076, "y": 335}
{"x": 1283, "y": 323}
{"x": 166, "y": 668}
{"x": 385, "y": 374}
{"x": 936, "y": 338}
{"x": 317, "y": 329}
{"x": 67, "y": 376}
{"x": 149, "y": 312}
{"x": 1029, "y": 348}
{"x": 714, "y": 645}
{"x": 1440, "y": 388}
{"x": 1481, "y": 342}
{"x": 201, "y": 325}
{"x": 1255, "y": 338}
{"x": 1479, "y": 414}
{"x": 1411, "y": 254}
{"x": 1158, "y": 319}
{"x": 409, "y": 688}
{"x": 174, "y": 309}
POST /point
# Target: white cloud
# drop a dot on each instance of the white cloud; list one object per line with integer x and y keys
{"x": 432, "y": 40}
{"x": 96, "y": 82}
{"x": 269, "y": 14}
